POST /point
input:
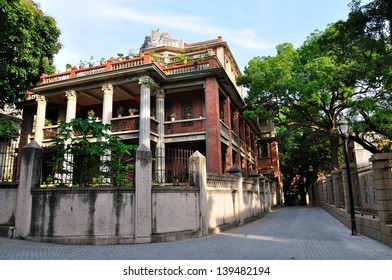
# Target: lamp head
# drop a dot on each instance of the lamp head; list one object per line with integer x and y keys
{"x": 343, "y": 126}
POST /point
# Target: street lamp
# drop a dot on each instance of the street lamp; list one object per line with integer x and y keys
{"x": 343, "y": 130}
{"x": 311, "y": 184}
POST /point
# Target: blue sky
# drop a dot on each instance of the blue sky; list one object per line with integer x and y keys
{"x": 103, "y": 28}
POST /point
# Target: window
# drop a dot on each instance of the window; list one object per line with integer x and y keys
{"x": 263, "y": 150}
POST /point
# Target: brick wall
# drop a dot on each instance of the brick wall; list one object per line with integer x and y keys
{"x": 214, "y": 164}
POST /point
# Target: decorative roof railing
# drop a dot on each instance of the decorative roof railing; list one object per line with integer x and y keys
{"x": 199, "y": 64}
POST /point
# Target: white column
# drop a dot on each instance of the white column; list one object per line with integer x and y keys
{"x": 144, "y": 119}
{"x": 71, "y": 105}
{"x": 107, "y": 109}
{"x": 107, "y": 112}
{"x": 40, "y": 119}
{"x": 160, "y": 115}
{"x": 70, "y": 114}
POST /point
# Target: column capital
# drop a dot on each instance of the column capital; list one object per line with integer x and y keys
{"x": 41, "y": 99}
{"x": 108, "y": 88}
{"x": 159, "y": 94}
{"x": 71, "y": 94}
{"x": 149, "y": 82}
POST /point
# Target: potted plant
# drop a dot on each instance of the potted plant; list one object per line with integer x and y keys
{"x": 119, "y": 111}
{"x": 68, "y": 67}
{"x": 102, "y": 61}
{"x": 152, "y": 113}
{"x": 48, "y": 122}
{"x": 91, "y": 114}
{"x": 173, "y": 117}
{"x": 132, "y": 111}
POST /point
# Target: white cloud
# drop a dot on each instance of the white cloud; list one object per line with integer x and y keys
{"x": 246, "y": 37}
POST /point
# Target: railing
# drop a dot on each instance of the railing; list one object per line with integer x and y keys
{"x": 224, "y": 129}
{"x": 171, "y": 166}
{"x": 195, "y": 65}
{"x": 186, "y": 68}
{"x": 90, "y": 71}
{"x": 128, "y": 63}
{"x": 110, "y": 65}
{"x": 128, "y": 123}
{"x": 50, "y": 131}
{"x": 9, "y": 161}
{"x": 221, "y": 182}
{"x": 185, "y": 126}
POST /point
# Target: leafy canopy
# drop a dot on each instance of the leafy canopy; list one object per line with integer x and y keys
{"x": 28, "y": 43}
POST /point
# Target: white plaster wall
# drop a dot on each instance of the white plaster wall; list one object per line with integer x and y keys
{"x": 83, "y": 214}
{"x": 223, "y": 207}
{"x": 175, "y": 211}
{"x": 251, "y": 204}
{"x": 7, "y": 205}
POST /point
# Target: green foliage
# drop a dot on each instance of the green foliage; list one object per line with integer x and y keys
{"x": 343, "y": 70}
{"x": 7, "y": 129}
{"x": 28, "y": 43}
{"x": 300, "y": 149}
{"x": 101, "y": 162}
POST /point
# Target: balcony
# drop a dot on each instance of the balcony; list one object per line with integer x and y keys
{"x": 112, "y": 64}
{"x": 121, "y": 125}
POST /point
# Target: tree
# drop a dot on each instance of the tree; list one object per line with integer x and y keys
{"x": 90, "y": 163}
{"x": 28, "y": 43}
{"x": 300, "y": 149}
{"x": 371, "y": 113}
{"x": 307, "y": 87}
{"x": 311, "y": 87}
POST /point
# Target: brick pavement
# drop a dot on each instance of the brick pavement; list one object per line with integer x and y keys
{"x": 302, "y": 233}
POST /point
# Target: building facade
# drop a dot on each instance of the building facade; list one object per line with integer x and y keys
{"x": 171, "y": 95}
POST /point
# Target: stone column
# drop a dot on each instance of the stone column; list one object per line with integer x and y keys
{"x": 144, "y": 118}
{"x": 107, "y": 113}
{"x": 197, "y": 163}
{"x": 71, "y": 105}
{"x": 160, "y": 115}
{"x": 329, "y": 189}
{"x": 143, "y": 213}
{"x": 72, "y": 97}
{"x": 236, "y": 171}
{"x": 335, "y": 186}
{"x": 382, "y": 176}
{"x": 30, "y": 174}
{"x": 107, "y": 106}
{"x": 40, "y": 119}
{"x": 262, "y": 193}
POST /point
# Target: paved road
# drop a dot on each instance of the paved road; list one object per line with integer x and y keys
{"x": 304, "y": 233}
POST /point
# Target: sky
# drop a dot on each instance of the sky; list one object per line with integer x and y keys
{"x": 102, "y": 28}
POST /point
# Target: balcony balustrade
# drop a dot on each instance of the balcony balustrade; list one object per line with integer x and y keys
{"x": 185, "y": 126}
{"x": 111, "y": 64}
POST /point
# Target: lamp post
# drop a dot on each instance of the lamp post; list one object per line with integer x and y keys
{"x": 310, "y": 185}
{"x": 343, "y": 130}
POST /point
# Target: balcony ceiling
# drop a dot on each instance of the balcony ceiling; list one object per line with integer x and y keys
{"x": 93, "y": 96}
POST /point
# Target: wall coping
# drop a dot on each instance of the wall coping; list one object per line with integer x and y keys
{"x": 381, "y": 156}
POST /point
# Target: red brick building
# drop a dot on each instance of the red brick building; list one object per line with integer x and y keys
{"x": 185, "y": 97}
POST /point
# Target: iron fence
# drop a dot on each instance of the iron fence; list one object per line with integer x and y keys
{"x": 172, "y": 166}
{"x": 9, "y": 161}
